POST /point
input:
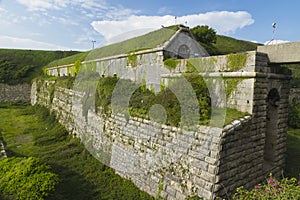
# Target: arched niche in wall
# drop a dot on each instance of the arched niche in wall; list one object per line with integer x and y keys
{"x": 183, "y": 51}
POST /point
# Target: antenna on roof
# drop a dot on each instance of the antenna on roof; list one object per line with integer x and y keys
{"x": 93, "y": 41}
{"x": 273, "y": 34}
{"x": 274, "y": 27}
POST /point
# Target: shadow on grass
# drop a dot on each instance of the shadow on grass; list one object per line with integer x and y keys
{"x": 293, "y": 154}
{"x": 72, "y": 185}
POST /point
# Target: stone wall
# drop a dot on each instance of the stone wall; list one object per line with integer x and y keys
{"x": 3, "y": 153}
{"x": 162, "y": 160}
{"x": 294, "y": 95}
{"x": 173, "y": 162}
{"x": 15, "y": 93}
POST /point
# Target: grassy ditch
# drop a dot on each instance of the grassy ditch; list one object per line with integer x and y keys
{"x": 32, "y": 132}
{"x": 293, "y": 153}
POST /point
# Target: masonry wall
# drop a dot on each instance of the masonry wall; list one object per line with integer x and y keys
{"x": 172, "y": 162}
{"x": 164, "y": 161}
{"x": 15, "y": 93}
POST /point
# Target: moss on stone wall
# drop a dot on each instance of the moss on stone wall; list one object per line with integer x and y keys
{"x": 232, "y": 85}
{"x": 201, "y": 65}
{"x": 171, "y": 63}
{"x": 132, "y": 60}
{"x": 235, "y": 62}
{"x": 76, "y": 67}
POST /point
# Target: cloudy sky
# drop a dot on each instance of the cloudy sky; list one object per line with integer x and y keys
{"x": 73, "y": 24}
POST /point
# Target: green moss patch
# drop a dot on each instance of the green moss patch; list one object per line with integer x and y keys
{"x": 171, "y": 63}
{"x": 235, "y": 62}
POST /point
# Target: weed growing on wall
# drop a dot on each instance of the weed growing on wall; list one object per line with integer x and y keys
{"x": 142, "y": 99}
{"x": 171, "y": 63}
{"x": 132, "y": 60}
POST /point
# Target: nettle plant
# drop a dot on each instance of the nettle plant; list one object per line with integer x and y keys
{"x": 272, "y": 189}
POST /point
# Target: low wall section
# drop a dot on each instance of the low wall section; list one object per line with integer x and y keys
{"x": 15, "y": 93}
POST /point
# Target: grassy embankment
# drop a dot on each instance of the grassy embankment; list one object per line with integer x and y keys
{"x": 21, "y": 66}
{"x": 31, "y": 131}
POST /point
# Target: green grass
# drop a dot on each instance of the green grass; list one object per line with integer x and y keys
{"x": 19, "y": 66}
{"x": 293, "y": 153}
{"x": 227, "y": 45}
{"x": 224, "y": 45}
{"x": 31, "y": 131}
{"x": 295, "y": 68}
{"x": 69, "y": 60}
{"x": 147, "y": 41}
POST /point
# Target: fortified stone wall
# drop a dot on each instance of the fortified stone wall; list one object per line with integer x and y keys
{"x": 15, "y": 93}
{"x": 174, "y": 163}
{"x": 162, "y": 160}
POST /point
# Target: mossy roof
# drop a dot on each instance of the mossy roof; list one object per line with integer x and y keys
{"x": 150, "y": 40}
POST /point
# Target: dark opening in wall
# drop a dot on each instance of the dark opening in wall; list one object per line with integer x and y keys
{"x": 271, "y": 128}
{"x": 184, "y": 51}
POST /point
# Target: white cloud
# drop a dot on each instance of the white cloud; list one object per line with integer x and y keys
{"x": 223, "y": 22}
{"x": 2, "y": 10}
{"x": 24, "y": 43}
{"x": 164, "y": 10}
{"x": 271, "y": 42}
{"x": 38, "y": 5}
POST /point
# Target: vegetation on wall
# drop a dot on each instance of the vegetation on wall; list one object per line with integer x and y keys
{"x": 231, "y": 85}
{"x": 26, "y": 178}
{"x": 171, "y": 63}
{"x": 236, "y": 62}
{"x": 21, "y": 66}
{"x": 142, "y": 99}
{"x": 131, "y": 60}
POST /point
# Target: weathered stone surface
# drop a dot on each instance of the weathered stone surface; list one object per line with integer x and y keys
{"x": 15, "y": 93}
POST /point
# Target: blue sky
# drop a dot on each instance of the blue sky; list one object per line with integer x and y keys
{"x": 73, "y": 24}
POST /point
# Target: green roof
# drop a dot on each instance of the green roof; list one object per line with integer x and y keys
{"x": 148, "y": 41}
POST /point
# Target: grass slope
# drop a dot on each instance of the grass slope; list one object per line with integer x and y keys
{"x": 147, "y": 41}
{"x": 293, "y": 153}
{"x": 224, "y": 45}
{"x": 227, "y": 45}
{"x": 19, "y": 66}
{"x": 31, "y": 131}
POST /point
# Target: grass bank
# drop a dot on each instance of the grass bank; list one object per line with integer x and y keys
{"x": 293, "y": 153}
{"x": 31, "y": 131}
